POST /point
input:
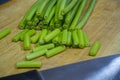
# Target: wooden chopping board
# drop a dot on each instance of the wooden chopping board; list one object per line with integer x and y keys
{"x": 103, "y": 25}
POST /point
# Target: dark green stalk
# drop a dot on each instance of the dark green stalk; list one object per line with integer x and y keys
{"x": 69, "y": 7}
{"x": 87, "y": 15}
{"x": 78, "y": 14}
{"x": 61, "y": 7}
{"x": 51, "y": 15}
{"x": 50, "y": 7}
{"x": 57, "y": 10}
{"x": 41, "y": 7}
{"x": 70, "y": 15}
{"x": 32, "y": 10}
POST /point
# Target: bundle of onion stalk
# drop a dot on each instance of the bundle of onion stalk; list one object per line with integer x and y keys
{"x": 61, "y": 23}
{"x": 62, "y": 14}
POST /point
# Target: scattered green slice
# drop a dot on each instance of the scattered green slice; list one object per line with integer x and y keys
{"x": 42, "y": 36}
{"x": 35, "y": 38}
{"x": 26, "y": 42}
{"x": 95, "y": 48}
{"x": 52, "y": 35}
{"x": 46, "y": 46}
{"x": 55, "y": 51}
{"x": 28, "y": 64}
{"x": 4, "y": 33}
{"x": 36, "y": 54}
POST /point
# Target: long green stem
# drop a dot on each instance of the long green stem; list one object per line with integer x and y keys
{"x": 61, "y": 7}
{"x": 70, "y": 15}
{"x": 49, "y": 9}
{"x": 87, "y": 15}
{"x": 57, "y": 10}
{"x": 51, "y": 15}
{"x": 78, "y": 14}
{"x": 69, "y": 7}
{"x": 32, "y": 10}
{"x": 41, "y": 7}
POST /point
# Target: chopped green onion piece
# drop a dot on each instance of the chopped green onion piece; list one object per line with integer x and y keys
{"x": 35, "y": 38}
{"x": 86, "y": 40}
{"x": 52, "y": 35}
{"x": 28, "y": 64}
{"x": 46, "y": 46}
{"x": 64, "y": 36}
{"x": 4, "y": 33}
{"x": 42, "y": 36}
{"x": 55, "y": 51}
{"x": 75, "y": 38}
{"x": 36, "y": 54}
{"x": 31, "y": 32}
{"x": 23, "y": 33}
{"x": 95, "y": 48}
{"x": 26, "y": 42}
{"x": 81, "y": 39}
{"x": 69, "y": 39}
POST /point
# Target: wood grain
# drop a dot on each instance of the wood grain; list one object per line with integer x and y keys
{"x": 103, "y": 25}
